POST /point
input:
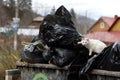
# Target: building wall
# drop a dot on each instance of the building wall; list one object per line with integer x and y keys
{"x": 36, "y": 24}
{"x": 97, "y": 26}
{"x": 116, "y": 26}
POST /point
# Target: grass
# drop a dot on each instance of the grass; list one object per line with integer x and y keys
{"x": 8, "y": 59}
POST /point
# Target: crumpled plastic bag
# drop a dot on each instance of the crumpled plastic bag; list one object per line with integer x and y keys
{"x": 61, "y": 37}
{"x": 59, "y": 56}
{"x": 58, "y": 30}
{"x": 108, "y": 59}
{"x": 32, "y": 52}
{"x": 47, "y": 53}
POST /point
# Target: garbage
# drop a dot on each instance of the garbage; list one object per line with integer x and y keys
{"x": 62, "y": 11}
{"x": 108, "y": 59}
{"x": 58, "y": 30}
{"x": 62, "y": 56}
{"x": 61, "y": 37}
{"x": 57, "y": 44}
{"x": 47, "y": 53}
{"x": 32, "y": 52}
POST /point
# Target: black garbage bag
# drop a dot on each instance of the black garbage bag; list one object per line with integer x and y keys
{"x": 32, "y": 52}
{"x": 63, "y": 12}
{"x": 47, "y": 53}
{"x": 58, "y": 30}
{"x": 59, "y": 56}
{"x": 77, "y": 64}
{"x": 89, "y": 65}
{"x": 108, "y": 59}
{"x": 63, "y": 56}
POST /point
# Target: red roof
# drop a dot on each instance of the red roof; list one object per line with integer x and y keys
{"x": 104, "y": 36}
{"x": 109, "y": 20}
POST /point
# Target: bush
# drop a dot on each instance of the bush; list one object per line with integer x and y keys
{"x": 8, "y": 59}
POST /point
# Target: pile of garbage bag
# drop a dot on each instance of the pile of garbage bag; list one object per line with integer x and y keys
{"x": 57, "y": 44}
{"x": 58, "y": 30}
{"x": 60, "y": 35}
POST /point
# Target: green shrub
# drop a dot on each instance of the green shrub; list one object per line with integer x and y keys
{"x": 8, "y": 59}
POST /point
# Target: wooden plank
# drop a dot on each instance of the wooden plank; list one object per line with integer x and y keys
{"x": 13, "y": 72}
{"x": 37, "y": 65}
{"x": 10, "y": 73}
{"x": 106, "y": 73}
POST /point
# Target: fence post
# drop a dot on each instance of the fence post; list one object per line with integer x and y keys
{"x": 10, "y": 73}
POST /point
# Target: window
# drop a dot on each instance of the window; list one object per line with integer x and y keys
{"x": 102, "y": 25}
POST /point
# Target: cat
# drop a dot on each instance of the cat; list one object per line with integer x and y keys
{"x": 93, "y": 45}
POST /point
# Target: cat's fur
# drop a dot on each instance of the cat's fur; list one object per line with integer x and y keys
{"x": 93, "y": 45}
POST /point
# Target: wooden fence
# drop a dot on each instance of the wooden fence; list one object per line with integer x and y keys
{"x": 12, "y": 74}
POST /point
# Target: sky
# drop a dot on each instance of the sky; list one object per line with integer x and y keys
{"x": 90, "y": 8}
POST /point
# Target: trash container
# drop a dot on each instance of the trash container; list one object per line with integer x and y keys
{"x": 98, "y": 74}
{"x": 53, "y": 72}
{"x": 42, "y": 71}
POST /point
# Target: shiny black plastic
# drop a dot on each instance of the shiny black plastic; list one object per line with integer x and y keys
{"x": 34, "y": 55}
{"x": 58, "y": 30}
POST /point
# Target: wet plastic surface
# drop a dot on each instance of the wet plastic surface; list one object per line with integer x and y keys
{"x": 58, "y": 30}
{"x": 31, "y": 53}
{"x": 109, "y": 59}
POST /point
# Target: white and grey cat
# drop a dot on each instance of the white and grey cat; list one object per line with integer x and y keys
{"x": 93, "y": 45}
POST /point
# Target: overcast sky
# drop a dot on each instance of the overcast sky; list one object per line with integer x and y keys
{"x": 92, "y": 8}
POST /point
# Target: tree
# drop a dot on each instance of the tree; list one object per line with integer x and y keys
{"x": 9, "y": 7}
{"x": 1, "y": 2}
{"x": 73, "y": 14}
{"x": 24, "y": 7}
{"x": 4, "y": 18}
{"x": 74, "y": 19}
{"x": 52, "y": 10}
{"x": 82, "y": 23}
{"x": 25, "y": 4}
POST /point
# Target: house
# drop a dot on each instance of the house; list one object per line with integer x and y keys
{"x": 105, "y": 36}
{"x": 23, "y": 34}
{"x": 21, "y": 31}
{"x": 36, "y": 22}
{"x": 105, "y": 29}
{"x": 103, "y": 24}
{"x": 115, "y": 26}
